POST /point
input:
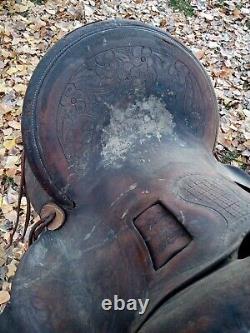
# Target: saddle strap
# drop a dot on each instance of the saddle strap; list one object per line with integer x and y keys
{"x": 52, "y": 216}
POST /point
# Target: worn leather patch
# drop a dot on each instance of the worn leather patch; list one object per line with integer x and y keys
{"x": 163, "y": 234}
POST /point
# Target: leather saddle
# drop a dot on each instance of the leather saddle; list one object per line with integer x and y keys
{"x": 119, "y": 125}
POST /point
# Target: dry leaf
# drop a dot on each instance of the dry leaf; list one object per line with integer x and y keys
{"x": 225, "y": 72}
{"x": 199, "y": 54}
{"x": 236, "y": 12}
{"x": 11, "y": 269}
{"x": 9, "y": 144}
{"x": 4, "y": 296}
{"x": 11, "y": 172}
{"x": 4, "y": 108}
{"x": 12, "y": 70}
{"x": 14, "y": 124}
{"x": 6, "y": 286}
{"x": 20, "y": 88}
{"x": 163, "y": 23}
{"x": 12, "y": 161}
{"x": 2, "y": 256}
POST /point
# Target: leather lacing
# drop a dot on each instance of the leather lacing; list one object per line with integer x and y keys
{"x": 39, "y": 226}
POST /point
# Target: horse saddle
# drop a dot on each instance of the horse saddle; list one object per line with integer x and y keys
{"x": 119, "y": 124}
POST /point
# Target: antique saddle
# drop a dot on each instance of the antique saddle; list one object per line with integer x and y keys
{"x": 119, "y": 125}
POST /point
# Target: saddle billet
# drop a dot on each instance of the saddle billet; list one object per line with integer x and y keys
{"x": 119, "y": 125}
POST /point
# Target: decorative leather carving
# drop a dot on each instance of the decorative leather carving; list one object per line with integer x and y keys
{"x": 217, "y": 194}
{"x": 99, "y": 82}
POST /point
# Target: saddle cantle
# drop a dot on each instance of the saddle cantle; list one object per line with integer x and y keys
{"x": 119, "y": 125}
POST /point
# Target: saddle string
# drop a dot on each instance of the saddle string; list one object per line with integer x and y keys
{"x": 42, "y": 223}
{"x": 27, "y": 218}
{"x": 20, "y": 196}
{"x": 39, "y": 226}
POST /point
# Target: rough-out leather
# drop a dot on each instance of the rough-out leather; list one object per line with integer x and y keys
{"x": 119, "y": 125}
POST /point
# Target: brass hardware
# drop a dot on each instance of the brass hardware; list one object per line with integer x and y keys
{"x": 58, "y": 220}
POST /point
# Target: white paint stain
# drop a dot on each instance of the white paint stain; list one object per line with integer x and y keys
{"x": 183, "y": 220}
{"x": 90, "y": 233}
{"x": 136, "y": 124}
{"x": 131, "y": 188}
{"x": 125, "y": 214}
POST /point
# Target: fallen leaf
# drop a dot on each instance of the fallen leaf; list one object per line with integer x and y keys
{"x": 11, "y": 172}
{"x": 11, "y": 161}
{"x": 2, "y": 256}
{"x": 6, "y": 286}
{"x": 163, "y": 22}
{"x": 4, "y": 296}
{"x": 12, "y": 70}
{"x": 236, "y": 12}
{"x": 4, "y": 108}
{"x": 9, "y": 144}
{"x": 200, "y": 54}
{"x": 20, "y": 88}
{"x": 14, "y": 124}
{"x": 225, "y": 72}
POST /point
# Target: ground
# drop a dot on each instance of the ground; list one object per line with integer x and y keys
{"x": 216, "y": 31}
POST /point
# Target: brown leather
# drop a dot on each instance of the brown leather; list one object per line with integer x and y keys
{"x": 119, "y": 125}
